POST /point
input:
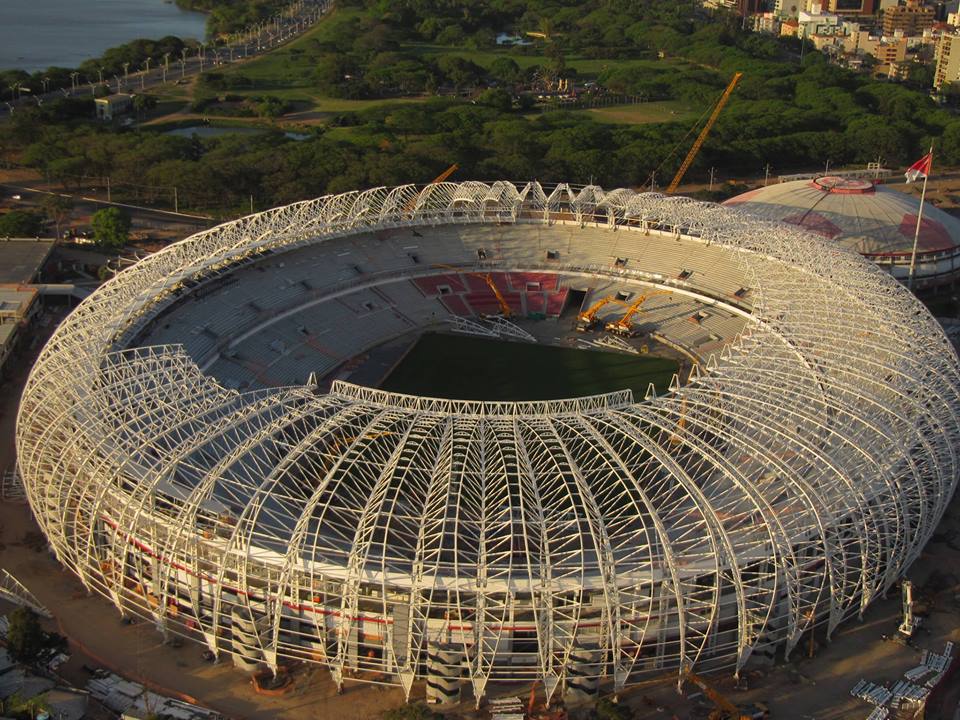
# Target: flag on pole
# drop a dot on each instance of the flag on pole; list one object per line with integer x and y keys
{"x": 920, "y": 169}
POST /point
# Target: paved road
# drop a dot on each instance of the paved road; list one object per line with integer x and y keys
{"x": 282, "y": 29}
{"x": 148, "y": 216}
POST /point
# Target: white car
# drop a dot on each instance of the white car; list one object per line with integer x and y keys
{"x": 15, "y": 197}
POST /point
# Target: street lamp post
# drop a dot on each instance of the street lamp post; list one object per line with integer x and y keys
{"x": 126, "y": 72}
{"x": 45, "y": 82}
{"x": 183, "y": 68}
{"x": 117, "y": 78}
{"x": 166, "y": 66}
{"x": 73, "y": 80}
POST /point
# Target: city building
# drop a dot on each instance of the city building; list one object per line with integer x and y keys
{"x": 766, "y": 23}
{"x": 850, "y": 7}
{"x": 21, "y": 262}
{"x": 788, "y": 9}
{"x": 948, "y": 61}
{"x": 900, "y": 70}
{"x": 742, "y": 8}
{"x": 113, "y": 106}
{"x": 885, "y": 50}
{"x": 18, "y": 305}
{"x": 816, "y": 23}
{"x": 790, "y": 28}
{"x": 911, "y": 18}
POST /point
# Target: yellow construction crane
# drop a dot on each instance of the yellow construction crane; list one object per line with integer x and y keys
{"x": 725, "y": 709}
{"x": 445, "y": 174}
{"x": 623, "y": 326}
{"x": 688, "y": 160}
{"x": 586, "y": 320}
{"x": 488, "y": 279}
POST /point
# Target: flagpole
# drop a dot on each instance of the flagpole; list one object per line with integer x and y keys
{"x": 916, "y": 234}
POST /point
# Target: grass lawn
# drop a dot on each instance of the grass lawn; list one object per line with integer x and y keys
{"x": 469, "y": 368}
{"x": 339, "y": 105}
{"x": 287, "y": 72}
{"x": 290, "y": 65}
{"x": 585, "y": 67}
{"x": 644, "y": 113}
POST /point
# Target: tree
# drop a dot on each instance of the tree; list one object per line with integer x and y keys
{"x": 58, "y": 209}
{"x": 271, "y": 107}
{"x": 142, "y": 103}
{"x": 20, "y": 223}
{"x": 25, "y": 638}
{"x": 111, "y": 228}
{"x": 459, "y": 72}
{"x": 496, "y": 98}
{"x": 505, "y": 70}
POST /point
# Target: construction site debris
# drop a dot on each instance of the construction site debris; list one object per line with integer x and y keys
{"x": 906, "y": 690}
{"x": 126, "y": 697}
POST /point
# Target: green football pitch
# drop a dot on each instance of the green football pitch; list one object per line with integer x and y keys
{"x": 469, "y": 368}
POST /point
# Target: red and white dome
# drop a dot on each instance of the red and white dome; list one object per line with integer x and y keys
{"x": 874, "y": 220}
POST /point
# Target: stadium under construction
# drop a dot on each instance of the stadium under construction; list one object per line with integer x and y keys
{"x": 189, "y": 454}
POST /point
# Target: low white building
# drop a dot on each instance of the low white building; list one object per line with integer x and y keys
{"x": 818, "y": 23}
{"x": 113, "y": 106}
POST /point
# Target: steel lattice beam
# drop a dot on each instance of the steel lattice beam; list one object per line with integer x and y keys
{"x": 791, "y": 480}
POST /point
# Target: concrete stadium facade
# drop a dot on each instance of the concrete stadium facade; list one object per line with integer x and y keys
{"x": 793, "y": 477}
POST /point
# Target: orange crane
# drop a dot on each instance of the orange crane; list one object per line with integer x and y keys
{"x": 688, "y": 160}
{"x": 488, "y": 279}
{"x": 587, "y": 319}
{"x": 725, "y": 709}
{"x": 623, "y": 326}
{"x": 411, "y": 203}
{"x": 445, "y": 174}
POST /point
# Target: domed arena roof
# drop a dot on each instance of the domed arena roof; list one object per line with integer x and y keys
{"x": 789, "y": 481}
{"x": 871, "y": 219}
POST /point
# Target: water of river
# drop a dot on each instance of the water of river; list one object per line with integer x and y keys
{"x": 210, "y": 131}
{"x": 37, "y": 34}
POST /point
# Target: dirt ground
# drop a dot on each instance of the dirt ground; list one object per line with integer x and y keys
{"x": 804, "y": 688}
